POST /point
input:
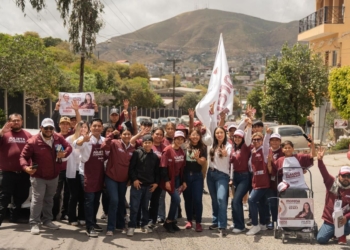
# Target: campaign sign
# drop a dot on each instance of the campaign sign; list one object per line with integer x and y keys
{"x": 84, "y": 100}
{"x": 295, "y": 212}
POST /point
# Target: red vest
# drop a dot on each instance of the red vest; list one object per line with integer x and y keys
{"x": 261, "y": 177}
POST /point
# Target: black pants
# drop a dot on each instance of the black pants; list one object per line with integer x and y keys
{"x": 14, "y": 185}
{"x": 154, "y": 205}
{"x": 62, "y": 185}
{"x": 76, "y": 198}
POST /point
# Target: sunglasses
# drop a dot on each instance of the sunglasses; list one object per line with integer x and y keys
{"x": 345, "y": 176}
{"x": 49, "y": 128}
{"x": 256, "y": 140}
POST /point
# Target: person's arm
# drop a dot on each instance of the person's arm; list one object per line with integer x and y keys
{"x": 312, "y": 148}
{"x": 106, "y": 145}
{"x": 133, "y": 166}
{"x": 55, "y": 116}
{"x": 248, "y": 135}
{"x": 191, "y": 116}
{"x": 327, "y": 178}
{"x": 133, "y": 119}
{"x": 157, "y": 170}
{"x": 25, "y": 158}
{"x": 222, "y": 119}
{"x": 75, "y": 106}
{"x": 67, "y": 147}
{"x": 266, "y": 145}
{"x": 96, "y": 114}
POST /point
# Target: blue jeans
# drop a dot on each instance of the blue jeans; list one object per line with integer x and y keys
{"x": 175, "y": 201}
{"x": 92, "y": 202}
{"x": 161, "y": 208}
{"x": 154, "y": 205}
{"x": 256, "y": 206}
{"x": 139, "y": 198}
{"x": 326, "y": 232}
{"x": 242, "y": 182}
{"x": 218, "y": 188}
{"x": 116, "y": 209}
{"x": 193, "y": 195}
{"x": 272, "y": 202}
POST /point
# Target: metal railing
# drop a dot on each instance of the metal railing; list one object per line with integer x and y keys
{"x": 325, "y": 15}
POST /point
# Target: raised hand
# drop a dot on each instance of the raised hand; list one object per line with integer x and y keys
{"x": 95, "y": 105}
{"x": 191, "y": 112}
{"x": 320, "y": 153}
{"x": 58, "y": 104}
{"x": 268, "y": 130}
{"x": 211, "y": 108}
{"x": 86, "y": 138}
{"x": 134, "y": 112}
{"x": 6, "y": 128}
{"x": 75, "y": 105}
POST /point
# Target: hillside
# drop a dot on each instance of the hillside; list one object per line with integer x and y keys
{"x": 196, "y": 34}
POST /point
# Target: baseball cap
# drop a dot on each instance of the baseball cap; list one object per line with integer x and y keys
{"x": 114, "y": 111}
{"x": 179, "y": 134}
{"x": 344, "y": 170}
{"x": 275, "y": 135}
{"x": 47, "y": 122}
{"x": 147, "y": 138}
{"x": 232, "y": 126}
{"x": 64, "y": 119}
{"x": 258, "y": 124}
{"x": 239, "y": 133}
{"x": 197, "y": 123}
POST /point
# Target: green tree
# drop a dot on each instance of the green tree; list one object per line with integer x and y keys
{"x": 138, "y": 70}
{"x": 189, "y": 100}
{"x": 295, "y": 84}
{"x": 51, "y": 42}
{"x": 254, "y": 99}
{"x": 339, "y": 90}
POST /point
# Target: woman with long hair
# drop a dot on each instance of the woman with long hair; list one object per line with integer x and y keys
{"x": 306, "y": 213}
{"x": 196, "y": 160}
{"x": 117, "y": 177}
{"x": 241, "y": 176}
{"x": 169, "y": 133}
{"x": 76, "y": 189}
{"x": 87, "y": 103}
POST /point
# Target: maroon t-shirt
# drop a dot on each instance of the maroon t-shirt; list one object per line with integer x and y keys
{"x": 167, "y": 141}
{"x": 11, "y": 145}
{"x": 240, "y": 159}
{"x": 178, "y": 160}
{"x": 158, "y": 149}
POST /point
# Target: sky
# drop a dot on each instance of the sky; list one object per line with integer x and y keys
{"x": 125, "y": 16}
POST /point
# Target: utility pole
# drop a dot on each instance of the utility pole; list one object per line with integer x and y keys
{"x": 174, "y": 64}
{"x": 264, "y": 89}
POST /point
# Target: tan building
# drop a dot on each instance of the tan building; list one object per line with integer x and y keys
{"x": 158, "y": 83}
{"x": 328, "y": 31}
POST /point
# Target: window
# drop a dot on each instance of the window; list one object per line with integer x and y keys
{"x": 334, "y": 58}
{"x": 326, "y": 58}
{"x": 290, "y": 131}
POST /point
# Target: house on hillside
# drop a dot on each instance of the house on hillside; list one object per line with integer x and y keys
{"x": 167, "y": 95}
{"x": 124, "y": 62}
{"x": 158, "y": 83}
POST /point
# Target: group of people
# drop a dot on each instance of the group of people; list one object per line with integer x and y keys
{"x": 87, "y": 160}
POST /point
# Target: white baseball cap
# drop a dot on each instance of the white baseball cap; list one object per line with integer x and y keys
{"x": 179, "y": 134}
{"x": 239, "y": 133}
{"x": 275, "y": 135}
{"x": 344, "y": 170}
{"x": 47, "y": 122}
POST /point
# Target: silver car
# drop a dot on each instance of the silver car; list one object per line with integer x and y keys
{"x": 293, "y": 133}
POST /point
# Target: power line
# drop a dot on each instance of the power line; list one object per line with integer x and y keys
{"x": 118, "y": 17}
{"x": 123, "y": 15}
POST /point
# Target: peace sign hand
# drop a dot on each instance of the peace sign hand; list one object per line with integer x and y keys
{"x": 86, "y": 138}
{"x": 320, "y": 153}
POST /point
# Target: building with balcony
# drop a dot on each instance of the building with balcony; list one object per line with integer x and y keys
{"x": 328, "y": 31}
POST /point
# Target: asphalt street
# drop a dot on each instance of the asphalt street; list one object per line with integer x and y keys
{"x": 17, "y": 236}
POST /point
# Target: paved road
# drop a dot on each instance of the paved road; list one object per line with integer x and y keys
{"x": 68, "y": 237}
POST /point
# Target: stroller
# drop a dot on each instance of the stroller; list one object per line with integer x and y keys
{"x": 295, "y": 216}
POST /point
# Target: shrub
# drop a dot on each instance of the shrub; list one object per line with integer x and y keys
{"x": 342, "y": 144}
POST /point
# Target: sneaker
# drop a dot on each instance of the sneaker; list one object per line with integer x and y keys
{"x": 249, "y": 223}
{"x": 130, "y": 231}
{"x": 237, "y": 231}
{"x": 109, "y": 233}
{"x": 64, "y": 217}
{"x": 342, "y": 240}
{"x": 121, "y": 230}
{"x": 151, "y": 225}
{"x": 91, "y": 232}
{"x": 146, "y": 229}
{"x": 169, "y": 227}
{"x": 98, "y": 228}
{"x": 175, "y": 227}
{"x": 245, "y": 207}
{"x": 271, "y": 226}
{"x": 188, "y": 225}
{"x": 199, "y": 227}
{"x": 82, "y": 223}
{"x": 222, "y": 232}
{"x": 74, "y": 223}
{"x": 232, "y": 226}
{"x": 263, "y": 227}
{"x": 160, "y": 221}
{"x": 213, "y": 227}
{"x": 34, "y": 229}
{"x": 50, "y": 225}
{"x": 254, "y": 230}
{"x": 103, "y": 216}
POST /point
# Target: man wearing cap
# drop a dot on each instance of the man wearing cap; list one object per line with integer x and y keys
{"x": 172, "y": 164}
{"x": 337, "y": 198}
{"x": 258, "y": 126}
{"x": 45, "y": 150}
{"x": 65, "y": 128}
{"x": 144, "y": 177}
{"x": 13, "y": 180}
{"x": 72, "y": 122}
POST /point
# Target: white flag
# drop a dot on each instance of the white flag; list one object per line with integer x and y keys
{"x": 220, "y": 90}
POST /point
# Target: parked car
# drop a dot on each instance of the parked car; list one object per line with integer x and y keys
{"x": 155, "y": 122}
{"x": 293, "y": 133}
{"x": 140, "y": 119}
{"x": 162, "y": 121}
{"x": 230, "y": 118}
{"x": 185, "y": 120}
{"x": 173, "y": 119}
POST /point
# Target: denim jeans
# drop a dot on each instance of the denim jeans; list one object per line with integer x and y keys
{"x": 139, "y": 198}
{"x": 326, "y": 232}
{"x": 154, "y": 205}
{"x": 76, "y": 197}
{"x": 162, "y": 208}
{"x": 242, "y": 182}
{"x": 92, "y": 202}
{"x": 256, "y": 206}
{"x": 218, "y": 188}
{"x": 272, "y": 202}
{"x": 193, "y": 195}
{"x": 116, "y": 210}
{"x": 62, "y": 185}
{"x": 174, "y": 201}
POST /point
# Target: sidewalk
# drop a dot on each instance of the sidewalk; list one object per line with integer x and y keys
{"x": 69, "y": 237}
